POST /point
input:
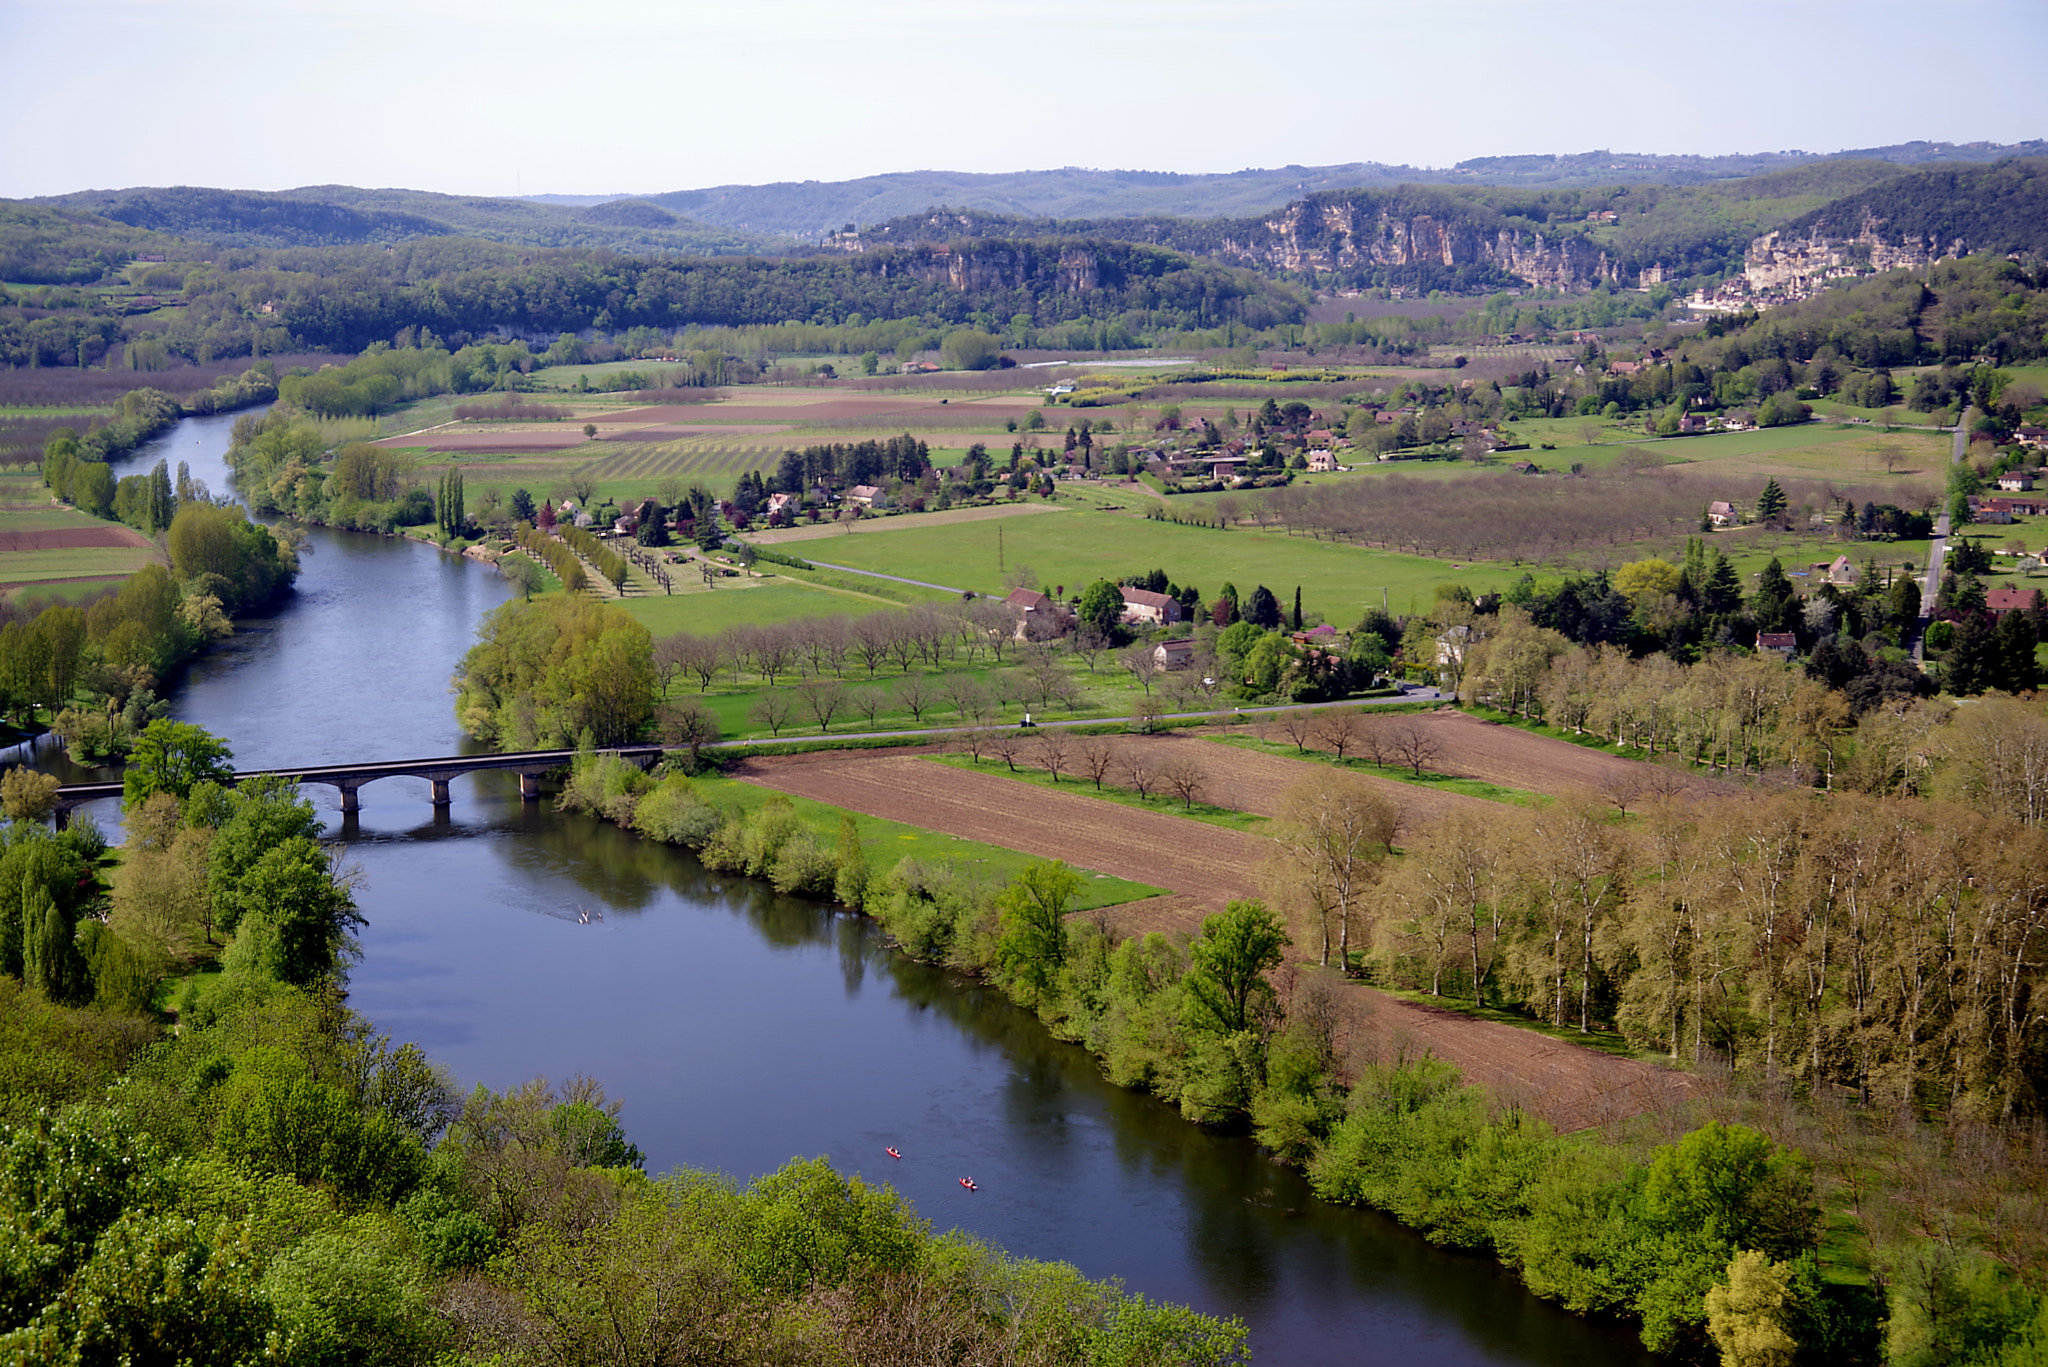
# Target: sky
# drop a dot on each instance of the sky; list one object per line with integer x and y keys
{"x": 642, "y": 96}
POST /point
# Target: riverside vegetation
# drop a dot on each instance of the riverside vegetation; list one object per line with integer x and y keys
{"x": 276, "y": 1182}
{"x": 1864, "y": 1190}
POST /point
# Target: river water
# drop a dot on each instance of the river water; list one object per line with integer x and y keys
{"x": 743, "y": 1028}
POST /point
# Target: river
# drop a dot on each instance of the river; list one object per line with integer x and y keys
{"x": 743, "y": 1028}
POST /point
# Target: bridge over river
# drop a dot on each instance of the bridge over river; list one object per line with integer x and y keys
{"x": 439, "y": 771}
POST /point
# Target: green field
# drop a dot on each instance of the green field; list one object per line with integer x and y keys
{"x": 1074, "y": 548}
{"x": 887, "y": 842}
{"x": 743, "y": 603}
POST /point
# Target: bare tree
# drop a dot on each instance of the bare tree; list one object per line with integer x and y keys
{"x": 773, "y": 710}
{"x": 1098, "y": 758}
{"x": 1413, "y": 744}
{"x": 1006, "y": 743}
{"x": 1184, "y": 777}
{"x": 968, "y": 697}
{"x": 1140, "y": 775}
{"x": 1336, "y": 832}
{"x": 915, "y": 695}
{"x": 690, "y": 724}
{"x": 822, "y": 701}
{"x": 1145, "y": 716}
{"x": 1054, "y": 751}
{"x": 868, "y": 702}
{"x": 668, "y": 661}
{"x": 973, "y": 741}
{"x": 1141, "y": 664}
{"x": 1336, "y": 731}
{"x": 871, "y": 638}
{"x": 1296, "y": 725}
{"x": 1087, "y": 644}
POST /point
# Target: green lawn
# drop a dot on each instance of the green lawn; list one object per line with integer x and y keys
{"x": 743, "y": 602}
{"x": 887, "y": 842}
{"x": 1073, "y": 548}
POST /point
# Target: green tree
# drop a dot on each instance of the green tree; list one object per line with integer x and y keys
{"x": 1263, "y": 610}
{"x": 1102, "y": 604}
{"x": 1033, "y": 912}
{"x": 2013, "y": 663}
{"x": 296, "y": 919}
{"x": 170, "y": 757}
{"x": 1747, "y": 1317}
{"x": 260, "y": 816}
{"x": 1227, "y": 966}
{"x": 1775, "y": 604}
{"x": 967, "y": 349}
{"x": 50, "y": 960}
{"x": 1770, "y": 503}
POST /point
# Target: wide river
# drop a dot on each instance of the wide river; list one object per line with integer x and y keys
{"x": 743, "y": 1028}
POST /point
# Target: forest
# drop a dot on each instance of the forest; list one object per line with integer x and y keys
{"x": 275, "y": 1181}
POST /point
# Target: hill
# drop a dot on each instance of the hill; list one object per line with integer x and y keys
{"x": 813, "y": 209}
{"x": 344, "y": 215}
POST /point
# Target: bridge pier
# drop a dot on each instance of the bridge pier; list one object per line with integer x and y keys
{"x": 441, "y": 798}
{"x": 350, "y": 803}
{"x": 529, "y": 787}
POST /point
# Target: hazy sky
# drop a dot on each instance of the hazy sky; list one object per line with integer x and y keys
{"x": 594, "y": 96}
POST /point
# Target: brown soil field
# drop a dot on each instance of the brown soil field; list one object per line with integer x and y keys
{"x": 1203, "y": 867}
{"x": 71, "y": 539}
{"x": 901, "y": 522}
{"x": 677, "y": 431}
{"x": 542, "y": 439}
{"x": 1251, "y": 781}
{"x": 1513, "y": 758}
{"x": 1209, "y": 864}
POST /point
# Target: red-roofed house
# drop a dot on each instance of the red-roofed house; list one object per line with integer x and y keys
{"x": 1780, "y": 642}
{"x": 1998, "y": 602}
{"x": 1145, "y": 606}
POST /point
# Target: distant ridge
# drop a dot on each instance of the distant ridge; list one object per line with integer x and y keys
{"x": 812, "y": 210}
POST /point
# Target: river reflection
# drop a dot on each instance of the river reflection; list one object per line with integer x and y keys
{"x": 743, "y": 1028}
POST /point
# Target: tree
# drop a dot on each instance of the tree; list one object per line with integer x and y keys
{"x": 1336, "y": 832}
{"x": 689, "y": 723}
{"x": 1033, "y": 910}
{"x": 171, "y": 757}
{"x": 1101, "y": 606}
{"x": 1184, "y": 777}
{"x": 1747, "y": 1317}
{"x": 772, "y": 710}
{"x": 1227, "y": 967}
{"x": 967, "y": 349}
{"x": 1264, "y": 609}
{"x": 1770, "y": 504}
{"x": 28, "y": 795}
{"x": 51, "y": 962}
{"x": 297, "y": 917}
{"x": 1142, "y": 663}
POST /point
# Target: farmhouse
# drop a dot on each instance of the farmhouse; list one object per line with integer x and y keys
{"x": 1723, "y": 514}
{"x": 868, "y": 496}
{"x": 1145, "y": 606}
{"x": 1998, "y": 602}
{"x": 2015, "y": 481}
{"x": 2032, "y": 436}
{"x": 1174, "y": 654}
{"x": 1040, "y": 617}
{"x": 1777, "y": 642}
{"x": 1322, "y": 462}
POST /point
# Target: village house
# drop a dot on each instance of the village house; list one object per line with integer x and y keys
{"x": 2032, "y": 436}
{"x": 784, "y": 503}
{"x": 1144, "y": 607}
{"x": 1452, "y": 645}
{"x": 2016, "y": 481}
{"x": 1322, "y": 462}
{"x": 1691, "y": 424}
{"x": 1777, "y": 643}
{"x": 1174, "y": 654}
{"x": 1224, "y": 468}
{"x": 1723, "y": 514}
{"x": 1040, "y": 617}
{"x": 1998, "y": 602}
{"x": 2012, "y": 507}
{"x": 868, "y": 496}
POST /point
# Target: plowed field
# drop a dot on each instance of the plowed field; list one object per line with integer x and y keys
{"x": 1204, "y": 867}
{"x": 1209, "y": 864}
{"x": 1515, "y": 758}
{"x": 71, "y": 539}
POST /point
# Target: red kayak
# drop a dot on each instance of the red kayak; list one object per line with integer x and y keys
{"x": 968, "y": 1182}
{"x": 892, "y": 1153}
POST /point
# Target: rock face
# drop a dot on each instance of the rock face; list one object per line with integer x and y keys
{"x": 1795, "y": 262}
{"x": 1345, "y": 233}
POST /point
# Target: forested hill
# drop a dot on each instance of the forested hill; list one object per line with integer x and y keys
{"x": 1463, "y": 237}
{"x": 813, "y": 209}
{"x": 1946, "y": 209}
{"x": 343, "y": 215}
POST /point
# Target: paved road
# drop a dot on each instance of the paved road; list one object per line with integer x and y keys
{"x": 1937, "y": 548}
{"x": 894, "y": 578}
{"x": 1234, "y": 714}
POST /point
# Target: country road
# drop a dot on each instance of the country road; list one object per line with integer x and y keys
{"x": 1937, "y": 548}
